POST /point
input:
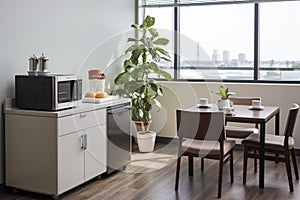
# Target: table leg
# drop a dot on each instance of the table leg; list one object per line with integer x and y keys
{"x": 262, "y": 155}
{"x": 277, "y": 123}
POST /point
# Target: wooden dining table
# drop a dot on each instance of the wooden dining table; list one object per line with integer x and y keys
{"x": 246, "y": 114}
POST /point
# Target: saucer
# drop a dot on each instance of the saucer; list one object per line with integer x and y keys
{"x": 230, "y": 113}
{"x": 203, "y": 106}
{"x": 256, "y": 108}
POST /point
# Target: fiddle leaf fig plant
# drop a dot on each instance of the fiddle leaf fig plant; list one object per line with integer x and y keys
{"x": 135, "y": 80}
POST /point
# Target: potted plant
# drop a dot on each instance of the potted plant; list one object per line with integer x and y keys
{"x": 224, "y": 93}
{"x": 135, "y": 80}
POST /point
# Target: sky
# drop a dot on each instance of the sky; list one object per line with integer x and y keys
{"x": 231, "y": 27}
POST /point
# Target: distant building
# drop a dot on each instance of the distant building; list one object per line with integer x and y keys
{"x": 241, "y": 58}
{"x": 234, "y": 63}
{"x": 226, "y": 56}
{"x": 215, "y": 56}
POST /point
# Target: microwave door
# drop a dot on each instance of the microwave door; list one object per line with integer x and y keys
{"x": 64, "y": 92}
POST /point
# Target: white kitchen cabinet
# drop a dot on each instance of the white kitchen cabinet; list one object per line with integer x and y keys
{"x": 71, "y": 161}
{"x": 95, "y": 160}
{"x": 51, "y": 155}
{"x": 81, "y": 156}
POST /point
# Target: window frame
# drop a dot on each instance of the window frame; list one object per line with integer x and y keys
{"x": 256, "y": 55}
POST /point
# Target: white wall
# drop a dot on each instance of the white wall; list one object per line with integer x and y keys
{"x": 184, "y": 94}
{"x": 67, "y": 31}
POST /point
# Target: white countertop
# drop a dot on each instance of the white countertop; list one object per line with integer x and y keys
{"x": 9, "y": 108}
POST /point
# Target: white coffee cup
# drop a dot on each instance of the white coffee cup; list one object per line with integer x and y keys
{"x": 256, "y": 103}
{"x": 203, "y": 101}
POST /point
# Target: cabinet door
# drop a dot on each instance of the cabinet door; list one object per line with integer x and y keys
{"x": 95, "y": 153}
{"x": 71, "y": 161}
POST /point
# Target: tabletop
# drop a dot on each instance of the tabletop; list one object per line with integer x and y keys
{"x": 242, "y": 113}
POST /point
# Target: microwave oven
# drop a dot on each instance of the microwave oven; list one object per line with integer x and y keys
{"x": 50, "y": 93}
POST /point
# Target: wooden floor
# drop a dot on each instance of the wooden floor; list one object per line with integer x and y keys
{"x": 150, "y": 176}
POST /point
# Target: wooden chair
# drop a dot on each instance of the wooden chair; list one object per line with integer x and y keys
{"x": 201, "y": 134}
{"x": 275, "y": 145}
{"x": 237, "y": 132}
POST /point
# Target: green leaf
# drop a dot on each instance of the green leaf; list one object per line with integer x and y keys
{"x": 162, "y": 51}
{"x": 155, "y": 56}
{"x": 153, "y": 87}
{"x": 128, "y": 65}
{"x": 153, "y": 32}
{"x": 144, "y": 56}
{"x": 165, "y": 74}
{"x": 120, "y": 92}
{"x": 132, "y": 40}
{"x": 148, "y": 22}
{"x": 141, "y": 113}
{"x": 135, "y": 56}
{"x": 134, "y": 26}
{"x": 223, "y": 91}
{"x": 166, "y": 59}
{"x": 148, "y": 107}
{"x": 132, "y": 86}
{"x": 148, "y": 43}
{"x": 157, "y": 103}
{"x": 122, "y": 78}
{"x": 161, "y": 41}
{"x": 153, "y": 66}
{"x": 147, "y": 117}
{"x": 132, "y": 48}
{"x": 160, "y": 92}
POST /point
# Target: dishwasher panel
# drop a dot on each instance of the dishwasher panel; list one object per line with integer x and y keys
{"x": 119, "y": 137}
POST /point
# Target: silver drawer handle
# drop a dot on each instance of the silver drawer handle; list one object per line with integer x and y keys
{"x": 85, "y": 141}
{"x": 82, "y": 142}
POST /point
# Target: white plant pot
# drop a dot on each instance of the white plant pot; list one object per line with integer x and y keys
{"x": 146, "y": 141}
{"x": 223, "y": 103}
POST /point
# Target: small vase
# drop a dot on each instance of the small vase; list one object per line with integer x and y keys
{"x": 223, "y": 103}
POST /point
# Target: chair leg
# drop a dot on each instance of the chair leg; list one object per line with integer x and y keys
{"x": 191, "y": 166}
{"x": 255, "y": 162}
{"x": 202, "y": 164}
{"x": 277, "y": 158}
{"x": 231, "y": 167}
{"x": 288, "y": 170}
{"x": 245, "y": 164}
{"x": 220, "y": 178}
{"x": 295, "y": 164}
{"x": 177, "y": 172}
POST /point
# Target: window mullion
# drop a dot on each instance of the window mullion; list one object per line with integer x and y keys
{"x": 176, "y": 44}
{"x": 256, "y": 42}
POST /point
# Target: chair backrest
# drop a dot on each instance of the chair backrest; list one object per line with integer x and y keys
{"x": 243, "y": 100}
{"x": 291, "y": 120}
{"x": 200, "y": 125}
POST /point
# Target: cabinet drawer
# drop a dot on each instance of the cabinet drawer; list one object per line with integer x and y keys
{"x": 81, "y": 121}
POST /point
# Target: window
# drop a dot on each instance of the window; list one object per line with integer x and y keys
{"x": 165, "y": 29}
{"x": 227, "y": 41}
{"x": 280, "y": 41}
{"x": 232, "y": 40}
